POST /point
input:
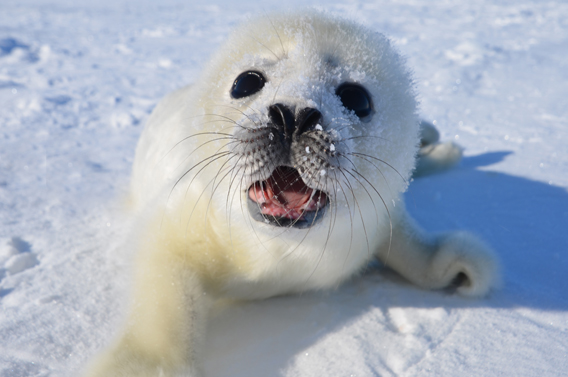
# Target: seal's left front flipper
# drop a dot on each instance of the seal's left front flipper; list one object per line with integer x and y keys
{"x": 440, "y": 261}
{"x": 434, "y": 156}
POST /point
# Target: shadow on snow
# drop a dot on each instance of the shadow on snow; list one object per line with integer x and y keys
{"x": 523, "y": 220}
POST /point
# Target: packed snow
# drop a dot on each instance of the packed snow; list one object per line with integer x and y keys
{"x": 77, "y": 83}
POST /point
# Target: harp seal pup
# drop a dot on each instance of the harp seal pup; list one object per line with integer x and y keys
{"x": 279, "y": 171}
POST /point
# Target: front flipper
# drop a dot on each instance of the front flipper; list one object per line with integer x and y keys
{"x": 434, "y": 156}
{"x": 435, "y": 262}
{"x": 168, "y": 313}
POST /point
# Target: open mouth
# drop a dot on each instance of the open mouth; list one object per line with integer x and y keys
{"x": 285, "y": 200}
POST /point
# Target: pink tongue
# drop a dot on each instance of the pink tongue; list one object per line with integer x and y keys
{"x": 284, "y": 194}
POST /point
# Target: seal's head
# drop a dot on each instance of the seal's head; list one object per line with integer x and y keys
{"x": 299, "y": 118}
{"x": 321, "y": 107}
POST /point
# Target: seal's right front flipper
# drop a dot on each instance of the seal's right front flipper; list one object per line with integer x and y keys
{"x": 167, "y": 317}
{"x": 434, "y": 156}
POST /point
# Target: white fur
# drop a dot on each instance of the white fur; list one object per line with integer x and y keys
{"x": 197, "y": 242}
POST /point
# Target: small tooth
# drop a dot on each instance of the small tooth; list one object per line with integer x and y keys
{"x": 260, "y": 199}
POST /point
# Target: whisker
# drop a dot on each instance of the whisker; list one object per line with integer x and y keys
{"x": 227, "y": 136}
{"x": 386, "y": 207}
{"x": 243, "y": 210}
{"x": 277, "y": 34}
{"x": 266, "y": 47}
{"x": 354, "y": 169}
{"x": 358, "y": 208}
{"x": 239, "y": 111}
{"x": 214, "y": 156}
{"x": 363, "y": 137}
{"x": 350, "y": 215}
{"x": 383, "y": 161}
{"x": 320, "y": 257}
{"x": 217, "y": 157}
{"x": 203, "y": 144}
{"x": 276, "y": 91}
{"x": 236, "y": 169}
{"x": 379, "y": 170}
{"x": 215, "y": 187}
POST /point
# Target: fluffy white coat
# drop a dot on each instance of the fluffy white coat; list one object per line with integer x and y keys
{"x": 195, "y": 238}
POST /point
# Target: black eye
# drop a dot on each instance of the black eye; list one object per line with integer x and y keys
{"x": 356, "y": 98}
{"x": 247, "y": 83}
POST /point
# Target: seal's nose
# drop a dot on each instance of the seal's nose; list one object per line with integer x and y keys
{"x": 307, "y": 119}
{"x": 289, "y": 124}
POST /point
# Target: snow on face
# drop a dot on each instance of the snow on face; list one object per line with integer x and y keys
{"x": 303, "y": 63}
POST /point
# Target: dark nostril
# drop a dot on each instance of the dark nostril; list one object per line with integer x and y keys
{"x": 308, "y": 119}
{"x": 283, "y": 118}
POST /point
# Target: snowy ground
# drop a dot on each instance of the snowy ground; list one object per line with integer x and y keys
{"x": 77, "y": 83}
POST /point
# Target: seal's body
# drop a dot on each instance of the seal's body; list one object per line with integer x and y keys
{"x": 280, "y": 170}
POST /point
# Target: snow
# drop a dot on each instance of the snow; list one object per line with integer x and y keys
{"x": 77, "y": 83}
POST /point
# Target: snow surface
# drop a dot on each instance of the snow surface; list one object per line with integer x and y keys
{"x": 77, "y": 82}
